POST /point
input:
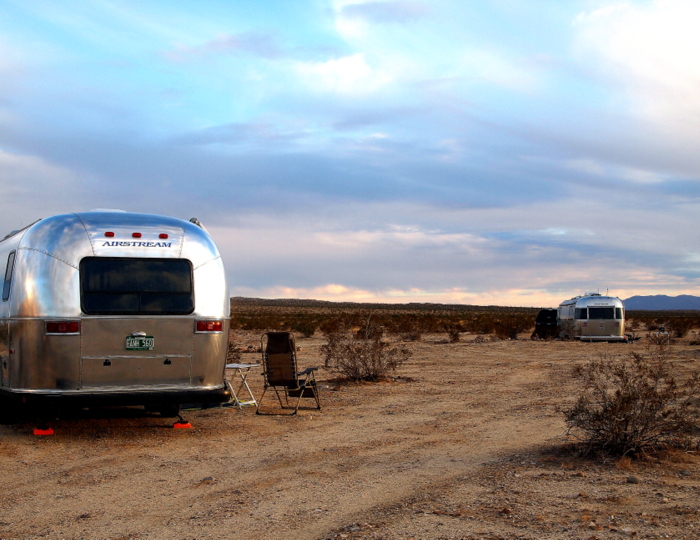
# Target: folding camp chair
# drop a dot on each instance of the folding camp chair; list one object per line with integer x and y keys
{"x": 280, "y": 372}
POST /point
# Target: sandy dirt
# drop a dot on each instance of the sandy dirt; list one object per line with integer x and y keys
{"x": 463, "y": 443}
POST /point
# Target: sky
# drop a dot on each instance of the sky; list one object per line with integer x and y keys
{"x": 488, "y": 152}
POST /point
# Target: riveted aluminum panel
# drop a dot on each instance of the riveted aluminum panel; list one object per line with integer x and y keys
{"x": 106, "y": 336}
{"x": 40, "y": 362}
{"x": 118, "y": 372}
{"x": 211, "y": 347}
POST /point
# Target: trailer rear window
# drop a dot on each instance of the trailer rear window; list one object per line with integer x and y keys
{"x": 601, "y": 312}
{"x": 118, "y": 286}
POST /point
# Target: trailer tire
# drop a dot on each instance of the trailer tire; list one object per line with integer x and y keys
{"x": 169, "y": 411}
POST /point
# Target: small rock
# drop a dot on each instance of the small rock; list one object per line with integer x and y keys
{"x": 632, "y": 480}
{"x": 207, "y": 480}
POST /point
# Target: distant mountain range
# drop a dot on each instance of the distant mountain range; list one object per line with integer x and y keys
{"x": 661, "y": 302}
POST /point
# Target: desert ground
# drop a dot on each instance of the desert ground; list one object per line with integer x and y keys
{"x": 466, "y": 441}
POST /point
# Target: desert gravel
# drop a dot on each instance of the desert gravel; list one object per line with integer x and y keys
{"x": 465, "y": 442}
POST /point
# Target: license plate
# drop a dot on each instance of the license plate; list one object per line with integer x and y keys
{"x": 140, "y": 343}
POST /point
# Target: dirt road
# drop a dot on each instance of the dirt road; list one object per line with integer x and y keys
{"x": 462, "y": 444}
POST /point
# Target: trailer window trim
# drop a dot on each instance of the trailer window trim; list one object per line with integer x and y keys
{"x": 9, "y": 270}
{"x": 104, "y": 291}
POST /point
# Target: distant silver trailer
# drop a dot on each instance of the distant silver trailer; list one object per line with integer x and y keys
{"x": 592, "y": 317}
{"x": 113, "y": 308}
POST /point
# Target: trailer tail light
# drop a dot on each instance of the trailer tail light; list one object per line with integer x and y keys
{"x": 63, "y": 327}
{"x": 209, "y": 326}
{"x": 109, "y": 234}
{"x": 136, "y": 235}
{"x": 163, "y": 236}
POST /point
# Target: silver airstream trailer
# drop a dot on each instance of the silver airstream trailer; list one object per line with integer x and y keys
{"x": 592, "y": 317}
{"x": 113, "y": 308}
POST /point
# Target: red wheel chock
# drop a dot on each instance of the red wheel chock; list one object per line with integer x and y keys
{"x": 181, "y": 423}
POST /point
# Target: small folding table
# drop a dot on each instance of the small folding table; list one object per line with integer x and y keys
{"x": 240, "y": 377}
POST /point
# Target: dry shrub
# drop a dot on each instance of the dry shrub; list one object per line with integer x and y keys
{"x": 481, "y": 323}
{"x": 364, "y": 356}
{"x": 633, "y": 405}
{"x": 566, "y": 329}
{"x": 332, "y": 325}
{"x": 453, "y": 331}
{"x": 409, "y": 328}
{"x": 233, "y": 354}
{"x": 659, "y": 339}
{"x": 680, "y": 326}
{"x": 677, "y": 456}
{"x": 509, "y": 326}
{"x": 624, "y": 464}
{"x": 373, "y": 331}
{"x": 306, "y": 327}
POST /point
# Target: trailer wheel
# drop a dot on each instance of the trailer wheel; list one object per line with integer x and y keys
{"x": 169, "y": 411}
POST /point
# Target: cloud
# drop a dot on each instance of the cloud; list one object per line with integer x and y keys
{"x": 650, "y": 51}
{"x": 240, "y": 133}
{"x": 377, "y": 150}
{"x": 340, "y": 293}
{"x": 251, "y": 43}
{"x": 349, "y": 119}
{"x": 631, "y": 175}
{"x": 400, "y": 11}
{"x": 350, "y": 75}
{"x": 468, "y": 256}
{"x": 33, "y": 188}
{"x": 492, "y": 66}
{"x": 13, "y": 72}
{"x": 23, "y": 174}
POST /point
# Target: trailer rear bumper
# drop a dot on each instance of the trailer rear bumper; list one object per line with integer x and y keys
{"x": 104, "y": 398}
{"x": 604, "y": 338}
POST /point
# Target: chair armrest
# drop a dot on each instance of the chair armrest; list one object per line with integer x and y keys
{"x": 307, "y": 371}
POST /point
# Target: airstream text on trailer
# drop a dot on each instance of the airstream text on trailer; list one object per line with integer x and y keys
{"x": 110, "y": 307}
{"x": 592, "y": 317}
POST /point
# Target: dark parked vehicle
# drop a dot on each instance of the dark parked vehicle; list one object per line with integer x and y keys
{"x": 546, "y": 324}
